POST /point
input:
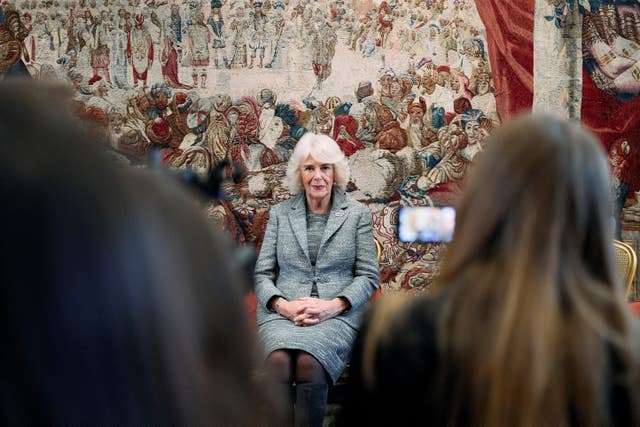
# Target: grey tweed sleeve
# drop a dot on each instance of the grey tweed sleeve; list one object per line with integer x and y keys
{"x": 366, "y": 271}
{"x": 266, "y": 269}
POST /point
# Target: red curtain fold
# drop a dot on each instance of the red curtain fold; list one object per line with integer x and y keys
{"x": 509, "y": 26}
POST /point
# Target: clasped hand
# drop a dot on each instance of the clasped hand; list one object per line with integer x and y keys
{"x": 307, "y": 311}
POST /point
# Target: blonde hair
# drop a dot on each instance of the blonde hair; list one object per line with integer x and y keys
{"x": 323, "y": 149}
{"x": 533, "y": 307}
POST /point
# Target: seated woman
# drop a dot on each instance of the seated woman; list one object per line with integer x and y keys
{"x": 528, "y": 325}
{"x": 316, "y": 270}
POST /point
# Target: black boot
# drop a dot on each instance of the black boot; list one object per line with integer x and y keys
{"x": 311, "y": 402}
{"x": 290, "y": 394}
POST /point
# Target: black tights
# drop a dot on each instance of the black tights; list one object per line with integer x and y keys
{"x": 296, "y": 366}
{"x": 310, "y": 397}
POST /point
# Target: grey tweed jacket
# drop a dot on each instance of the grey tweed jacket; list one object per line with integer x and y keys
{"x": 346, "y": 264}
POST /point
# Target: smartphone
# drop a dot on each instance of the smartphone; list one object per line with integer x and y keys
{"x": 426, "y": 224}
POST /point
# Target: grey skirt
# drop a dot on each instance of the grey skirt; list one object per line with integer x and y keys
{"x": 329, "y": 342}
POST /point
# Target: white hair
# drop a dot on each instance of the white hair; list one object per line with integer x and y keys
{"x": 322, "y": 149}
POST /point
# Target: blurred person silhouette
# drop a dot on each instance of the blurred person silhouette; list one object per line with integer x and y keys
{"x": 528, "y": 323}
{"x": 118, "y": 303}
{"x": 316, "y": 270}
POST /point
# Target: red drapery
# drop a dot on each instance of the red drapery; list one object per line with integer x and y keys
{"x": 509, "y": 26}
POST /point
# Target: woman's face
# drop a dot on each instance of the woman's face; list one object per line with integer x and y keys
{"x": 317, "y": 178}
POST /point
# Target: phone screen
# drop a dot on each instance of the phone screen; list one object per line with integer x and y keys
{"x": 426, "y": 224}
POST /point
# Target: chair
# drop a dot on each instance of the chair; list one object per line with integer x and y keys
{"x": 378, "y": 291}
{"x": 626, "y": 262}
{"x": 378, "y": 249}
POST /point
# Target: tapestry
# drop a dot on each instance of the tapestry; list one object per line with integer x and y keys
{"x": 611, "y": 106}
{"x": 577, "y": 59}
{"x": 404, "y": 87}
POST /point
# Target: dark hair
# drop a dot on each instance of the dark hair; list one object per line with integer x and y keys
{"x": 117, "y": 303}
{"x": 534, "y": 308}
